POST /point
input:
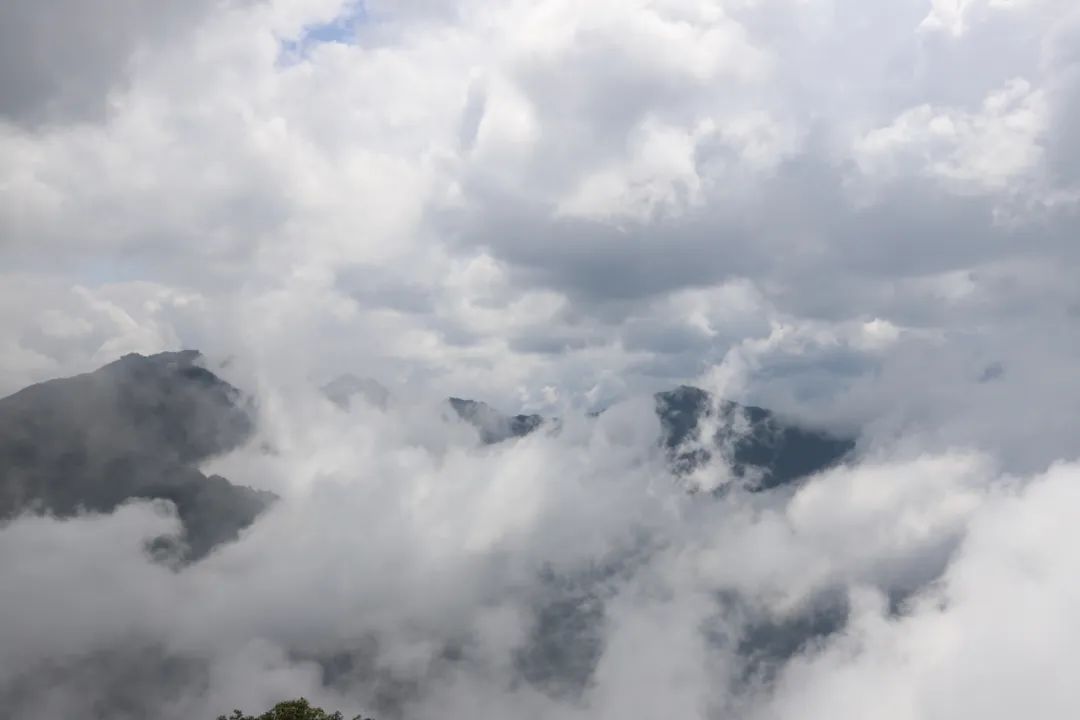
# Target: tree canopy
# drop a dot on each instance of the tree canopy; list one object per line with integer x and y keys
{"x": 299, "y": 709}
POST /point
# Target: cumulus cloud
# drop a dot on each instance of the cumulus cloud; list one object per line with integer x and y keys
{"x": 575, "y": 579}
{"x": 62, "y": 60}
{"x": 557, "y": 576}
{"x": 859, "y": 214}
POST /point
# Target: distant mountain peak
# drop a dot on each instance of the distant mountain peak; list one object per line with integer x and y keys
{"x": 761, "y": 450}
{"x": 135, "y": 428}
{"x": 493, "y": 425}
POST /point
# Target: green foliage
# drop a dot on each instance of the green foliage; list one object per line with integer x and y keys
{"x": 299, "y": 709}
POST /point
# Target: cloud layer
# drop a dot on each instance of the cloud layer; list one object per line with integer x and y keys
{"x": 861, "y": 213}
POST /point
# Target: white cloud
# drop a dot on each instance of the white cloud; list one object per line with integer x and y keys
{"x": 858, "y": 213}
{"x": 988, "y": 150}
{"x": 1003, "y": 610}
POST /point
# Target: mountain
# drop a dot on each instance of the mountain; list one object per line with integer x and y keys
{"x": 493, "y": 426}
{"x": 762, "y": 451}
{"x": 139, "y": 428}
{"x": 136, "y": 428}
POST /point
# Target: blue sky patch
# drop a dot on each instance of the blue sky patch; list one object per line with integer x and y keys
{"x": 341, "y": 29}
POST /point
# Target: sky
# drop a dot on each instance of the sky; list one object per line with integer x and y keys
{"x": 858, "y": 213}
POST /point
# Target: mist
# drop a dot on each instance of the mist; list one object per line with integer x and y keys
{"x": 412, "y": 573}
{"x": 857, "y": 215}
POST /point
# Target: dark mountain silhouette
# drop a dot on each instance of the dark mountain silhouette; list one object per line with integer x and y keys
{"x": 493, "y": 426}
{"x": 139, "y": 427}
{"x": 136, "y": 428}
{"x": 762, "y": 451}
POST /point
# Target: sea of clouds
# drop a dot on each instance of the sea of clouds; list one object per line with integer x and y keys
{"x": 859, "y": 213}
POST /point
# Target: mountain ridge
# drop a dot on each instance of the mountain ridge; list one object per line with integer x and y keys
{"x": 135, "y": 428}
{"x": 762, "y": 450}
{"x": 139, "y": 426}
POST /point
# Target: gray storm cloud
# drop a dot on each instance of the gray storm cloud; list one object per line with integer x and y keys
{"x": 859, "y": 214}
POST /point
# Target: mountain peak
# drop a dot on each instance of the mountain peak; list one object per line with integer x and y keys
{"x": 762, "y": 450}
{"x": 493, "y": 425}
{"x": 135, "y": 428}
